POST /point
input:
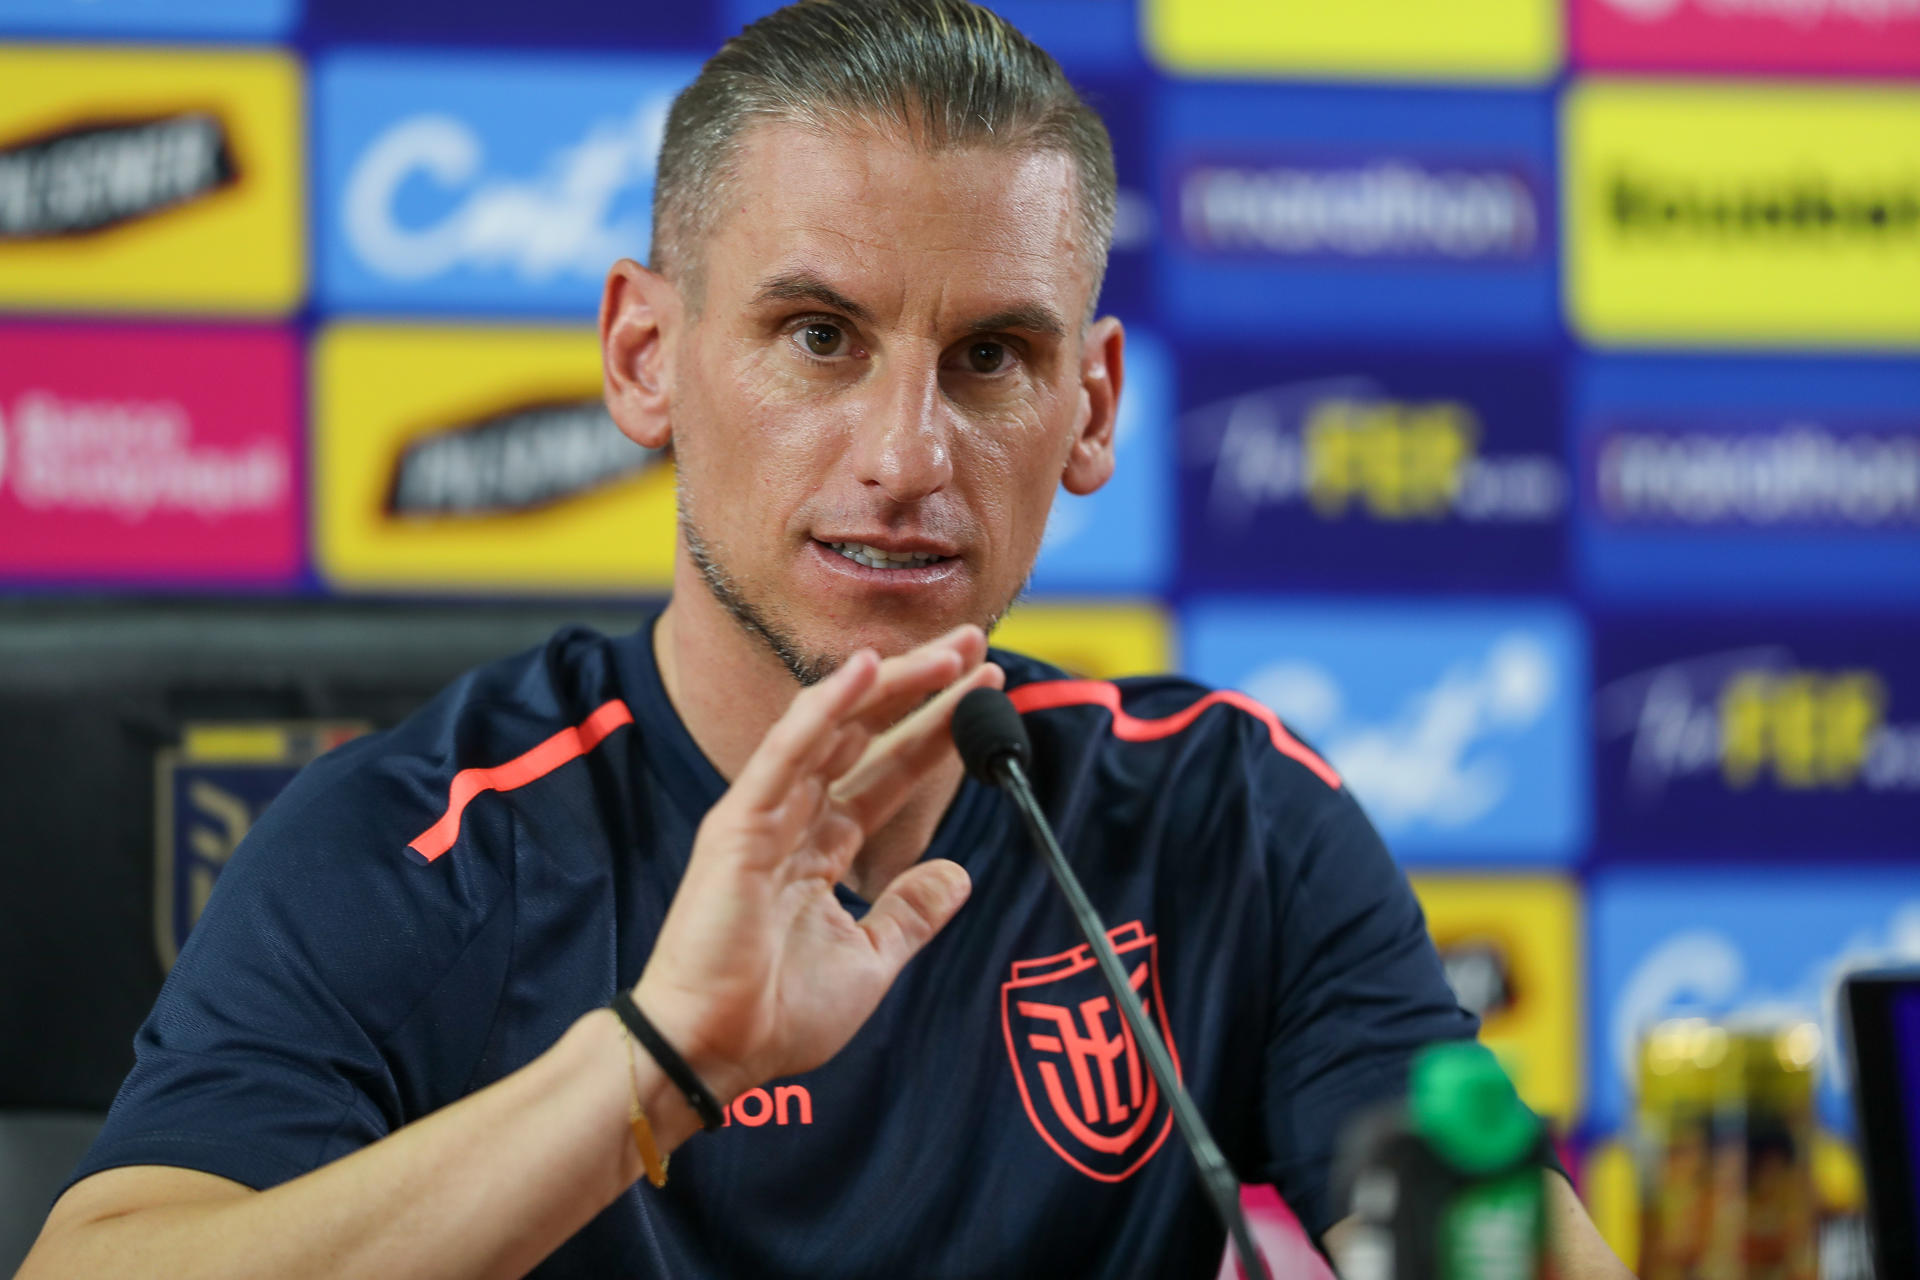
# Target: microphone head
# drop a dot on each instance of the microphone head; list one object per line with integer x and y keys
{"x": 987, "y": 729}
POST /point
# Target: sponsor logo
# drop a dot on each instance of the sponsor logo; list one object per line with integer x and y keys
{"x": 1331, "y": 214}
{"x": 1810, "y": 35}
{"x": 1758, "y": 716}
{"x": 1796, "y": 475}
{"x": 90, "y": 177}
{"x": 1737, "y": 214}
{"x": 133, "y": 459}
{"x": 1385, "y": 208}
{"x": 1082, "y": 1079}
{"x": 534, "y": 227}
{"x": 1509, "y": 944}
{"x": 151, "y": 455}
{"x": 477, "y": 460}
{"x": 440, "y": 191}
{"x": 782, "y": 1105}
{"x": 1120, "y": 538}
{"x": 1799, "y": 13}
{"x": 514, "y": 461}
{"x": 210, "y": 788}
{"x": 1457, "y": 729}
{"x": 1800, "y": 208}
{"x": 1467, "y": 40}
{"x": 1771, "y": 946}
{"x": 158, "y": 180}
{"x": 1348, "y": 447}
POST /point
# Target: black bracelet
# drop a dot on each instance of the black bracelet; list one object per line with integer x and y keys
{"x": 699, "y": 1097}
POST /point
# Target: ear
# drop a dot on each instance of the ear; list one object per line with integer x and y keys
{"x": 1090, "y": 462}
{"x": 640, "y": 313}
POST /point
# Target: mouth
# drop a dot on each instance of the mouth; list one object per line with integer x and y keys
{"x": 878, "y": 558}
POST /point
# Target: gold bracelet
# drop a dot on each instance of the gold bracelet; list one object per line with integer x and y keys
{"x": 650, "y": 1158}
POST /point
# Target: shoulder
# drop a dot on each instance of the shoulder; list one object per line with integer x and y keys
{"x": 379, "y": 814}
{"x": 1174, "y": 722}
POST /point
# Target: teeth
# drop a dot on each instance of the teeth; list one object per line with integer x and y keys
{"x": 874, "y": 558}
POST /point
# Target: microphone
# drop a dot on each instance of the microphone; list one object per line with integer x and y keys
{"x": 994, "y": 745}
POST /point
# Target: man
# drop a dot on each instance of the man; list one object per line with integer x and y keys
{"x": 868, "y": 336}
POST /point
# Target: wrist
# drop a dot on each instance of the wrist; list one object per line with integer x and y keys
{"x": 679, "y": 1022}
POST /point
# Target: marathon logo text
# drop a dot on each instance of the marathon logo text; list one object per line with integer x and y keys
{"x": 1384, "y": 208}
{"x": 95, "y": 176}
{"x": 1798, "y": 475}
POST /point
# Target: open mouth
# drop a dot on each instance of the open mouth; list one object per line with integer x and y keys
{"x": 874, "y": 558}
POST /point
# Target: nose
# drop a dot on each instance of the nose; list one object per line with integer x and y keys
{"x": 903, "y": 444}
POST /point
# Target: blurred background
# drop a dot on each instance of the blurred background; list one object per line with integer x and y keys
{"x": 1523, "y": 398}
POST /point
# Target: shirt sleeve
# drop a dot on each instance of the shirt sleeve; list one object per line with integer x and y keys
{"x": 1359, "y": 990}
{"x": 281, "y": 1038}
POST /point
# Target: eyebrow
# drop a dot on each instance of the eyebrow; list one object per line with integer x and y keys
{"x": 1027, "y": 317}
{"x": 804, "y": 286}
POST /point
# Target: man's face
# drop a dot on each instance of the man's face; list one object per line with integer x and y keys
{"x": 886, "y": 379}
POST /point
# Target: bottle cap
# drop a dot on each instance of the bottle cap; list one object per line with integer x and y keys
{"x": 1462, "y": 1103}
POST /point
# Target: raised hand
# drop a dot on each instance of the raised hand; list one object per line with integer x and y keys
{"x": 759, "y": 971}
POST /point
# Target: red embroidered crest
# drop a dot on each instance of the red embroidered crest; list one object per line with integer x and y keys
{"x": 1084, "y": 1082}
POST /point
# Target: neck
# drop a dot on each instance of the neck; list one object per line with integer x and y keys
{"x": 728, "y": 688}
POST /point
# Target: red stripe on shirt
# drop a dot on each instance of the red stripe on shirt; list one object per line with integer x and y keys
{"x": 529, "y": 766}
{"x": 1047, "y": 694}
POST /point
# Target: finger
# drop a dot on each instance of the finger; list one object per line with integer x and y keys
{"x": 876, "y": 788}
{"x": 908, "y": 680}
{"x": 804, "y": 733}
{"x": 917, "y": 905}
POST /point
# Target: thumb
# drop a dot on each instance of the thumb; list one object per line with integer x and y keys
{"x": 914, "y": 907}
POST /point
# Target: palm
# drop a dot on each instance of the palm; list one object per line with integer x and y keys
{"x": 759, "y": 967}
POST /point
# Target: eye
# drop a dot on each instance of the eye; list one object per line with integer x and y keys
{"x": 823, "y": 340}
{"x": 986, "y": 357}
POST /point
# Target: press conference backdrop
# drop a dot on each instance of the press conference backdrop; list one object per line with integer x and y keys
{"x": 1523, "y": 398}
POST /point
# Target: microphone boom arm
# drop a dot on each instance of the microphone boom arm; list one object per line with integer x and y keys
{"x": 1222, "y": 1188}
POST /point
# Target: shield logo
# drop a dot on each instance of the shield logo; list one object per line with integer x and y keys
{"x": 208, "y": 789}
{"x": 1082, "y": 1078}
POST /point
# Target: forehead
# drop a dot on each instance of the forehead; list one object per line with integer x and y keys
{"x": 876, "y": 212}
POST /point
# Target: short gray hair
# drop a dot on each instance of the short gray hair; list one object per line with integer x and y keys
{"x": 946, "y": 73}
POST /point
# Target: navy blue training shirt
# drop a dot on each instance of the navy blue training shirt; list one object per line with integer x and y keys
{"x": 426, "y": 910}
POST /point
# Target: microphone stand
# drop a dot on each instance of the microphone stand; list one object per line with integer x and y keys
{"x": 1222, "y": 1188}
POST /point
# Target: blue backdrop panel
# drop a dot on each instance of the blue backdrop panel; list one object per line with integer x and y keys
{"x": 1766, "y": 943}
{"x": 1740, "y": 738}
{"x": 1368, "y": 469}
{"x": 483, "y": 182}
{"x": 1459, "y": 726}
{"x": 1748, "y": 479}
{"x": 1336, "y": 212}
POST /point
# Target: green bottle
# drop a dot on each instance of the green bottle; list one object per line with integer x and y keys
{"x": 1448, "y": 1186}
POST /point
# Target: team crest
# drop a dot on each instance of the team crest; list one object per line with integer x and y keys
{"x": 208, "y": 791}
{"x": 1083, "y": 1080}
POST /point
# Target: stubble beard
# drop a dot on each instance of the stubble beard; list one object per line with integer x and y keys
{"x": 806, "y": 668}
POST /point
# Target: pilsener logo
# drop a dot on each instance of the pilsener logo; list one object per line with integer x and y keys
{"x": 89, "y": 177}
{"x": 150, "y": 180}
{"x": 480, "y": 460}
{"x": 518, "y": 460}
{"x": 439, "y": 190}
{"x": 1736, "y": 214}
{"x": 1385, "y": 208}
